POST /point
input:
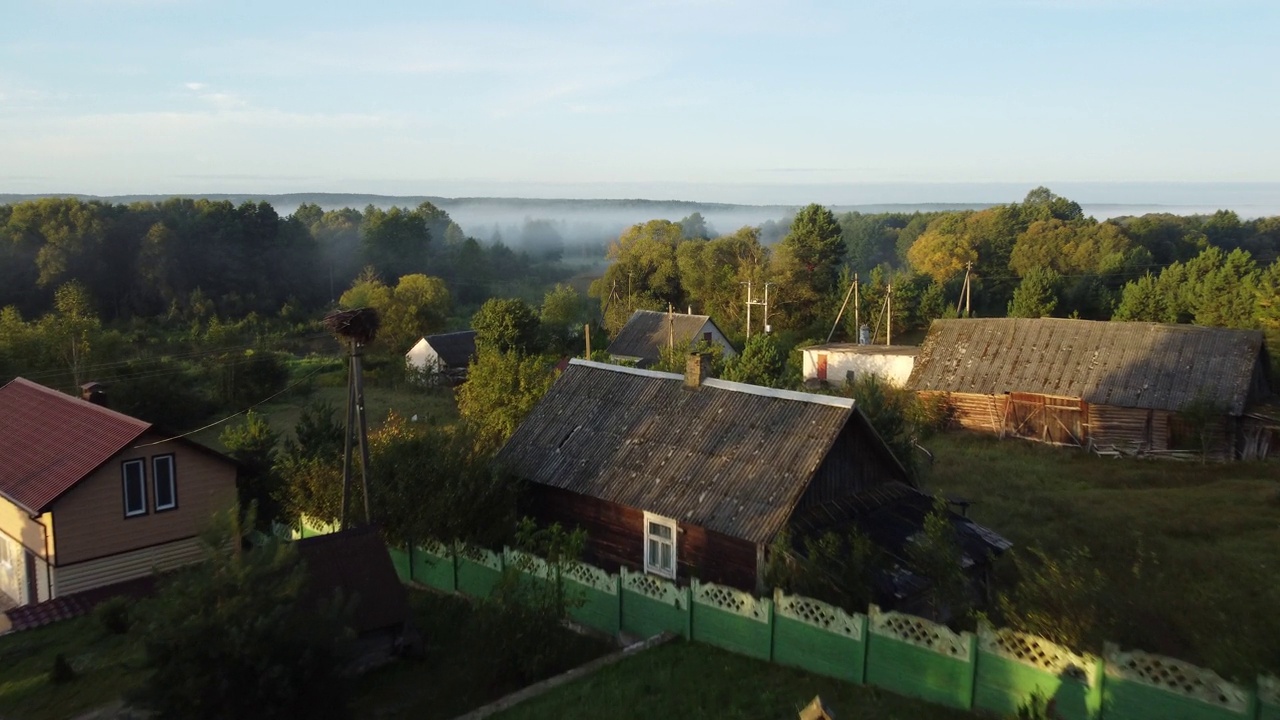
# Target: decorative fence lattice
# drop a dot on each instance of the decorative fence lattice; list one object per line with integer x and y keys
{"x": 818, "y": 614}
{"x": 1269, "y": 690}
{"x": 526, "y": 563}
{"x": 651, "y": 587}
{"x": 1175, "y": 676}
{"x": 481, "y": 556}
{"x": 731, "y": 600}
{"x": 592, "y": 577}
{"x": 1036, "y": 652}
{"x": 921, "y": 633}
{"x": 436, "y": 548}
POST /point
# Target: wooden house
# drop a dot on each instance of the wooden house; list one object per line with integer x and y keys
{"x": 1118, "y": 386}
{"x": 90, "y": 497}
{"x": 444, "y": 356}
{"x": 643, "y": 338}
{"x": 686, "y": 476}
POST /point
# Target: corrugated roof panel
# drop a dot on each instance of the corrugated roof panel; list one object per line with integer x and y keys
{"x": 731, "y": 458}
{"x": 649, "y": 331}
{"x": 1142, "y": 365}
{"x": 50, "y": 440}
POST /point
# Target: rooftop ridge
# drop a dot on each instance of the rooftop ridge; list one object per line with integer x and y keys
{"x": 829, "y": 400}
{"x": 64, "y": 397}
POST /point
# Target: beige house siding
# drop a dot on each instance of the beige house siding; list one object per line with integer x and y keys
{"x": 90, "y": 517}
{"x": 125, "y": 566}
{"x": 28, "y": 532}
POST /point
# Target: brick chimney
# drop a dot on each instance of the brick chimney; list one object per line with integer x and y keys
{"x": 94, "y": 392}
{"x": 697, "y": 368}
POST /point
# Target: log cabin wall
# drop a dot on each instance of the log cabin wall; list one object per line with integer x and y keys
{"x": 615, "y": 538}
{"x": 1109, "y": 425}
{"x": 984, "y": 413}
{"x": 853, "y": 465}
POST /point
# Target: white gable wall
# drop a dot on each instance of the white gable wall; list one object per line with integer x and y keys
{"x": 423, "y": 357}
{"x": 716, "y": 337}
{"x": 893, "y": 369}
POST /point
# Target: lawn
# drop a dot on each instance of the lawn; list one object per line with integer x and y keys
{"x": 1188, "y": 550}
{"x": 450, "y": 679}
{"x": 693, "y": 681}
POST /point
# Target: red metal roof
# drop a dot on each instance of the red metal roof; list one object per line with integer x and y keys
{"x": 50, "y": 441}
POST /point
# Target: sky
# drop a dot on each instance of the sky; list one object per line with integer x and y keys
{"x": 839, "y": 102}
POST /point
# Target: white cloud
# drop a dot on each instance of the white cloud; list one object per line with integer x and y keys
{"x": 196, "y": 86}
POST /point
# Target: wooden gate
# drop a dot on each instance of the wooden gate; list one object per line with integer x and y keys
{"x": 1045, "y": 418}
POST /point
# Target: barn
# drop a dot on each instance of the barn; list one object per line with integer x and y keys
{"x": 686, "y": 476}
{"x": 1118, "y": 387}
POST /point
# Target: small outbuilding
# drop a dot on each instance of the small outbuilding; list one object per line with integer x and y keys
{"x": 1118, "y": 386}
{"x": 685, "y": 476}
{"x": 648, "y": 332}
{"x": 444, "y": 356}
{"x": 839, "y": 363}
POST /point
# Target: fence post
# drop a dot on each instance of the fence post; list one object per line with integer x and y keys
{"x": 453, "y": 563}
{"x": 769, "y": 615}
{"x": 865, "y": 639}
{"x": 1095, "y": 703}
{"x": 688, "y": 617}
{"x": 410, "y": 551}
{"x": 972, "y": 681}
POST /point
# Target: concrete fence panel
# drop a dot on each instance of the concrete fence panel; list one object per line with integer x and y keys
{"x": 601, "y": 606}
{"x": 1012, "y": 666}
{"x": 732, "y": 619}
{"x": 651, "y": 605}
{"x": 432, "y": 565}
{"x": 478, "y": 570}
{"x": 1141, "y": 685}
{"x": 916, "y": 657}
{"x": 1268, "y": 698}
{"x": 400, "y": 560}
{"x": 821, "y": 638}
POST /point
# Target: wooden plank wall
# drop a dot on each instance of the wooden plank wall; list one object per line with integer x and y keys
{"x": 615, "y": 538}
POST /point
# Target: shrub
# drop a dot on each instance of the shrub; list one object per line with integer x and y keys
{"x": 61, "y": 672}
{"x": 113, "y": 615}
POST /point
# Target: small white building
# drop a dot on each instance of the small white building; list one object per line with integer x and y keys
{"x": 838, "y": 363}
{"x": 443, "y": 356}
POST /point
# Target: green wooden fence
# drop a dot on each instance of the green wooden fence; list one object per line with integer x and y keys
{"x": 994, "y": 670}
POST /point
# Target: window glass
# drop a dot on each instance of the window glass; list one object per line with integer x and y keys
{"x": 135, "y": 488}
{"x": 162, "y": 474}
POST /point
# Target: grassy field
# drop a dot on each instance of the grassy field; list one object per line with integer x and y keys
{"x": 448, "y": 681}
{"x": 694, "y": 681}
{"x": 1188, "y": 550}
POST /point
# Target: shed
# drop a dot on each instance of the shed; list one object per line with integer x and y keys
{"x": 687, "y": 476}
{"x": 838, "y": 363}
{"x": 643, "y": 338}
{"x": 446, "y": 355}
{"x": 1099, "y": 384}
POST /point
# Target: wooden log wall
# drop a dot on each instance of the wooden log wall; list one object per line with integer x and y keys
{"x": 984, "y": 413}
{"x": 615, "y": 538}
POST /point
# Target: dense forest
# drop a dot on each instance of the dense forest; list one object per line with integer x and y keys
{"x": 199, "y": 300}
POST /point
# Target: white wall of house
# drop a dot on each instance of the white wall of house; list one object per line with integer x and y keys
{"x": 716, "y": 337}
{"x": 891, "y": 368}
{"x": 423, "y": 357}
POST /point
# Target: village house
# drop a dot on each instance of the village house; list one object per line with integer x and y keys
{"x": 835, "y": 364}
{"x": 685, "y": 476}
{"x": 642, "y": 340}
{"x": 444, "y": 356}
{"x": 1114, "y": 386}
{"x": 90, "y": 497}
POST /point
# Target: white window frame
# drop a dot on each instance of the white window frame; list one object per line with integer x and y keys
{"x": 124, "y": 480}
{"x": 652, "y": 564}
{"x": 173, "y": 482}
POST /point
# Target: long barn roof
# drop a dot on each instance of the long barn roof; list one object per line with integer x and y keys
{"x": 729, "y": 457}
{"x": 1124, "y": 364}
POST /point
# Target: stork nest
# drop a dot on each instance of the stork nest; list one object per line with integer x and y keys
{"x": 360, "y": 324}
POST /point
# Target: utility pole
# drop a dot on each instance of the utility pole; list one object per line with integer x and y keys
{"x": 586, "y": 331}
{"x": 749, "y": 304}
{"x": 766, "y": 307}
{"x": 671, "y": 329}
{"x": 857, "y": 322}
{"x": 888, "y": 314}
{"x": 964, "y": 291}
{"x": 631, "y": 306}
{"x": 840, "y": 314}
{"x": 752, "y": 301}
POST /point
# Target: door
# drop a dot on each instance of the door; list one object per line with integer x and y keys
{"x": 821, "y": 366}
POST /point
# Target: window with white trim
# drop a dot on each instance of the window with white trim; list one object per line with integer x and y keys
{"x": 164, "y": 482}
{"x": 134, "y": 473}
{"x": 660, "y": 545}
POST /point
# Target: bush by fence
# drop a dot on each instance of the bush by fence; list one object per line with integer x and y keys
{"x": 996, "y": 670}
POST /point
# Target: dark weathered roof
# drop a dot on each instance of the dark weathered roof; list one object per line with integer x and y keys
{"x": 648, "y": 331}
{"x": 729, "y": 457}
{"x": 454, "y": 349}
{"x": 50, "y": 441}
{"x": 356, "y": 562}
{"x": 1124, "y": 364}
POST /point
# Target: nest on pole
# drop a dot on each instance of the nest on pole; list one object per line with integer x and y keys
{"x": 359, "y": 325}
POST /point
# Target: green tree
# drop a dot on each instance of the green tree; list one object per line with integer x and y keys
{"x": 501, "y": 388}
{"x": 643, "y": 273}
{"x": 712, "y": 274}
{"x": 563, "y": 315}
{"x": 763, "y": 362}
{"x": 694, "y": 227}
{"x": 808, "y": 264}
{"x": 419, "y": 306}
{"x": 252, "y": 443}
{"x": 935, "y": 554}
{"x": 394, "y": 241}
{"x": 507, "y": 325}
{"x": 1058, "y": 598}
{"x": 236, "y": 637}
{"x": 1037, "y": 294}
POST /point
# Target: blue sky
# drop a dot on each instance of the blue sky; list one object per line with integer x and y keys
{"x": 752, "y": 101}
